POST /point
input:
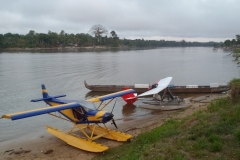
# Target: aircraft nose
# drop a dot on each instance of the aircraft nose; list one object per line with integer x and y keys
{"x": 108, "y": 116}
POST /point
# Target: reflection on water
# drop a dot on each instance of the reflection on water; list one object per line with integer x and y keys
{"x": 128, "y": 110}
{"x": 21, "y": 76}
{"x": 92, "y": 94}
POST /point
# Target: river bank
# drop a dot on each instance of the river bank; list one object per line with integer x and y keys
{"x": 50, "y": 147}
{"x": 64, "y": 48}
{"x": 90, "y": 48}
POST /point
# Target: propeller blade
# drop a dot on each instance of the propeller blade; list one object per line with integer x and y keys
{"x": 113, "y": 122}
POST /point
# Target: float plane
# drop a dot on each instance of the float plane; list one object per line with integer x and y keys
{"x": 160, "y": 91}
{"x": 84, "y": 116}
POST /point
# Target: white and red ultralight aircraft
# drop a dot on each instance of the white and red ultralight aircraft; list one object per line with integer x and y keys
{"x": 161, "y": 85}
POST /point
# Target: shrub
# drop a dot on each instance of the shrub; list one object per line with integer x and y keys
{"x": 237, "y": 135}
{"x": 235, "y": 90}
{"x": 216, "y": 146}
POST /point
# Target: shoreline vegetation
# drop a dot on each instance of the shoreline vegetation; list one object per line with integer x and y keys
{"x": 65, "y": 48}
{"x": 97, "y": 37}
{"x": 236, "y": 54}
{"x": 53, "y": 40}
{"x": 89, "y": 48}
{"x": 235, "y": 49}
{"x": 234, "y": 46}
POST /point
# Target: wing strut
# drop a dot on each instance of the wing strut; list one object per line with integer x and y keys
{"x": 106, "y": 104}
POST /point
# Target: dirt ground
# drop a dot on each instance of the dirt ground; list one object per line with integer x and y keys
{"x": 50, "y": 147}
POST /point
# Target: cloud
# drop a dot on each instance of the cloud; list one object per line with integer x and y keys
{"x": 195, "y": 19}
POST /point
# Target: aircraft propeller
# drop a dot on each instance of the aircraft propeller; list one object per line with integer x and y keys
{"x": 113, "y": 122}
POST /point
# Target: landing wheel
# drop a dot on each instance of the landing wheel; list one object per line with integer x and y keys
{"x": 129, "y": 140}
{"x": 103, "y": 153}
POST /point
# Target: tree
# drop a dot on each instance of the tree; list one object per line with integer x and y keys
{"x": 183, "y": 43}
{"x": 227, "y": 43}
{"x": 30, "y": 37}
{"x": 114, "y": 39}
{"x": 98, "y": 30}
{"x": 113, "y": 33}
{"x": 52, "y": 38}
{"x": 238, "y": 39}
{"x": 62, "y": 37}
{"x": 233, "y": 42}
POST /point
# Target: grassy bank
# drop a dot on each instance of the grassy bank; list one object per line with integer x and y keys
{"x": 210, "y": 134}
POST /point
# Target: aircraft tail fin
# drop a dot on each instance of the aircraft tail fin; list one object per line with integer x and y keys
{"x": 46, "y": 96}
{"x": 44, "y": 91}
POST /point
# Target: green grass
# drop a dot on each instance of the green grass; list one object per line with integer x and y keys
{"x": 211, "y": 134}
{"x": 139, "y": 145}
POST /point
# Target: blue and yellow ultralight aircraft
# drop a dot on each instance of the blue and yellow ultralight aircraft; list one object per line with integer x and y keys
{"x": 84, "y": 116}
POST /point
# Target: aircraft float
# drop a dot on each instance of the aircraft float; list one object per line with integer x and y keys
{"x": 84, "y": 116}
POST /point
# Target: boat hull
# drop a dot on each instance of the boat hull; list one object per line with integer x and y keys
{"x": 174, "y": 90}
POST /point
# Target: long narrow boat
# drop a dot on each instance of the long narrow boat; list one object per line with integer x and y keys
{"x": 140, "y": 88}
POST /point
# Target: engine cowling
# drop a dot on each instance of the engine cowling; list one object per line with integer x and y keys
{"x": 129, "y": 98}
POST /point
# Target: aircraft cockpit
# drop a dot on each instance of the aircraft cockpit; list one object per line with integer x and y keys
{"x": 79, "y": 112}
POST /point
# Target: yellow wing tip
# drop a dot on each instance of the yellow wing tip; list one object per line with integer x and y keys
{"x": 6, "y": 116}
{"x": 93, "y": 100}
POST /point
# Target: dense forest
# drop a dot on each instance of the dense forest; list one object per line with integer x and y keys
{"x": 62, "y": 39}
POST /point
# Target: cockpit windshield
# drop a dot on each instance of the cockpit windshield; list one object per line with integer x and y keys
{"x": 88, "y": 106}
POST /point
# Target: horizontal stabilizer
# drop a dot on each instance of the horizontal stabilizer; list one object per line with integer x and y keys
{"x": 40, "y": 111}
{"x": 162, "y": 84}
{"x": 110, "y": 96}
{"x": 47, "y": 98}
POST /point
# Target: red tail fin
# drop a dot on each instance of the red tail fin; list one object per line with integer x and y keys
{"x": 129, "y": 98}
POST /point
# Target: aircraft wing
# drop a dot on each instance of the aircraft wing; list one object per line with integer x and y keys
{"x": 110, "y": 96}
{"x": 30, "y": 113}
{"x": 162, "y": 84}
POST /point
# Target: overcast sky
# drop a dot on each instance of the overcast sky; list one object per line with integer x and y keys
{"x": 191, "y": 20}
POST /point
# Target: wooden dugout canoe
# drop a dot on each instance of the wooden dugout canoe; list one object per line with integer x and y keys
{"x": 140, "y": 88}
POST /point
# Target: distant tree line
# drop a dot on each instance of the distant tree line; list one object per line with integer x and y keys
{"x": 233, "y": 42}
{"x": 99, "y": 38}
